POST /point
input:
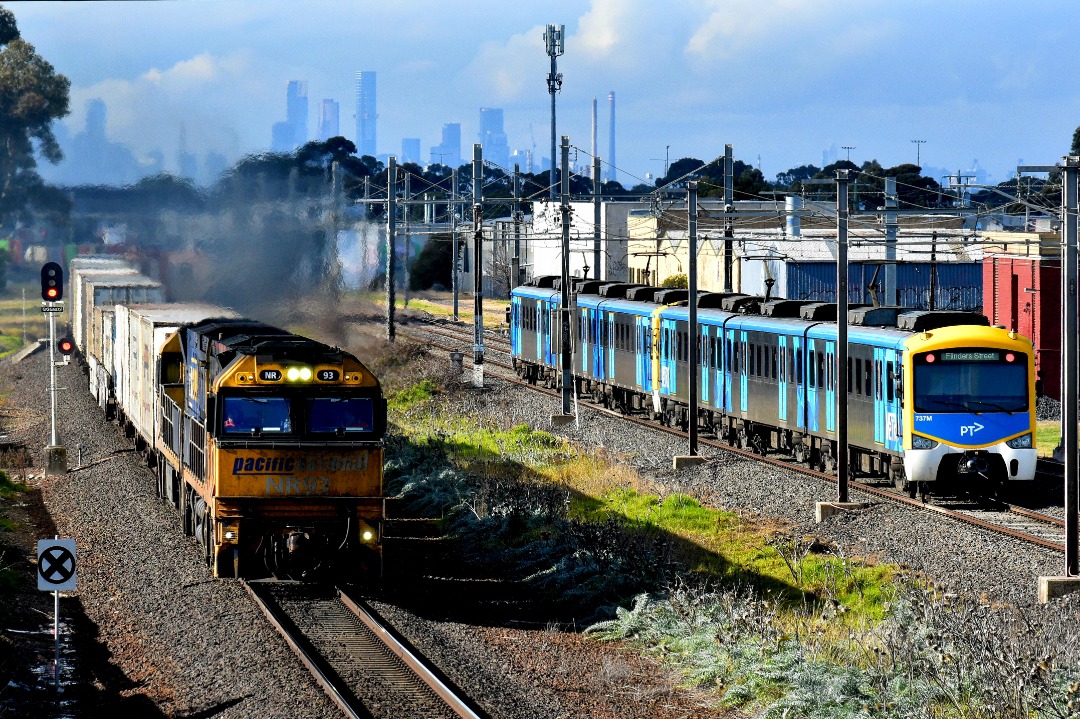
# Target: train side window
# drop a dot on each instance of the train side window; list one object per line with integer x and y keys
{"x": 783, "y": 364}
{"x": 877, "y": 379}
{"x": 858, "y": 376}
{"x": 775, "y": 362}
{"x": 761, "y": 350}
{"x": 810, "y": 366}
{"x": 888, "y": 381}
{"x": 798, "y": 366}
{"x": 850, "y": 387}
{"x": 822, "y": 374}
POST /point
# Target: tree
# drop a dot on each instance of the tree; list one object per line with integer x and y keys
{"x": 32, "y": 95}
{"x": 1075, "y": 148}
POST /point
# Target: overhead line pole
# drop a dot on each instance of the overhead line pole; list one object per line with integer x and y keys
{"x": 596, "y": 217}
{"x": 729, "y": 227}
{"x": 455, "y": 268}
{"x": 1070, "y": 394}
{"x": 692, "y": 344}
{"x": 564, "y": 307}
{"x": 391, "y": 229}
{"x": 842, "y": 179}
{"x": 515, "y": 264}
{"x": 553, "y": 40}
{"x": 478, "y": 267}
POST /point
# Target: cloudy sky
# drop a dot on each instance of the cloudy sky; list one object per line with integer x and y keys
{"x": 995, "y": 82}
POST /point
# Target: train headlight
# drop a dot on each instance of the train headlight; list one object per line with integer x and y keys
{"x": 367, "y": 535}
{"x": 292, "y": 374}
{"x": 1021, "y": 442}
{"x": 918, "y": 442}
{"x": 230, "y": 532}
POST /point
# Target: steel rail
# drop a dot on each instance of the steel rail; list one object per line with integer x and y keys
{"x": 449, "y": 696}
{"x": 313, "y": 664}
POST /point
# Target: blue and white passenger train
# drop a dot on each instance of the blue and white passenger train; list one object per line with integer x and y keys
{"x": 932, "y": 396}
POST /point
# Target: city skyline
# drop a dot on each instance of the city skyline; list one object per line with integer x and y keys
{"x": 785, "y": 83}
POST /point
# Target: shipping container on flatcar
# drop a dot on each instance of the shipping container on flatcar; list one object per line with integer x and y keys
{"x": 141, "y": 331}
{"x": 78, "y": 270}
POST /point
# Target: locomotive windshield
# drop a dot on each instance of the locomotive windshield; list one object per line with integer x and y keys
{"x": 267, "y": 415}
{"x": 244, "y": 415}
{"x": 971, "y": 380}
{"x": 340, "y": 415}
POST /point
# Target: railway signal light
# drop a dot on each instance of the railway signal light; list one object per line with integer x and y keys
{"x": 65, "y": 346}
{"x": 52, "y": 282}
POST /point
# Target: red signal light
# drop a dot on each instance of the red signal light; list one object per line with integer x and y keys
{"x": 52, "y": 292}
{"x": 65, "y": 346}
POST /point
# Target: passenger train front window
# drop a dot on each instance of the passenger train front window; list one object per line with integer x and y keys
{"x": 970, "y": 380}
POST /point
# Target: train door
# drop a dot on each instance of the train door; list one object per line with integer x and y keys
{"x": 800, "y": 381}
{"x": 812, "y": 389}
{"x": 830, "y": 386}
{"x": 718, "y": 367}
{"x": 668, "y": 357}
{"x": 587, "y": 347}
{"x": 515, "y": 327}
{"x": 891, "y": 401}
{"x": 880, "y": 403}
{"x": 643, "y": 356}
{"x": 538, "y": 324}
{"x": 610, "y": 345}
{"x": 729, "y": 346}
{"x": 782, "y": 383}
{"x": 744, "y": 393}
{"x": 705, "y": 360}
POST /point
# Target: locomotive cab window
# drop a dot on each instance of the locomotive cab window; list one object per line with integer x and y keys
{"x": 970, "y": 380}
{"x": 255, "y": 415}
{"x": 340, "y": 415}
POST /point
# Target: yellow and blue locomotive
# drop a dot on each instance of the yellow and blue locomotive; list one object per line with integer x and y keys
{"x": 269, "y": 444}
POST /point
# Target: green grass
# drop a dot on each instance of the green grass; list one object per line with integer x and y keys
{"x": 1047, "y": 436}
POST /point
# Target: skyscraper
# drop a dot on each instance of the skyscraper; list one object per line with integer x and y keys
{"x": 365, "y": 112}
{"x": 448, "y": 152}
{"x": 410, "y": 150}
{"x": 291, "y": 134}
{"x": 329, "y": 113}
{"x": 492, "y": 137}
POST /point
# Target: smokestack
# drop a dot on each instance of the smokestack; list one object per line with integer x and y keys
{"x": 594, "y": 127}
{"x": 611, "y": 138}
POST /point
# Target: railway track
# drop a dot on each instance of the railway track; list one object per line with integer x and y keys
{"x": 1020, "y": 523}
{"x": 361, "y": 663}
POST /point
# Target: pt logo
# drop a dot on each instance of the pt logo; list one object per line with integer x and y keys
{"x": 970, "y": 429}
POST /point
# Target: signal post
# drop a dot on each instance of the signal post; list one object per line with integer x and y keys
{"x": 52, "y": 296}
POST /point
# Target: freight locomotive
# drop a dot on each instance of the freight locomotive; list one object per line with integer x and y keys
{"x": 932, "y": 396}
{"x": 268, "y": 444}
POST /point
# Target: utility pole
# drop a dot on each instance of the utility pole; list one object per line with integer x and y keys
{"x": 553, "y": 41}
{"x": 729, "y": 226}
{"x": 1070, "y": 395}
{"x": 842, "y": 179}
{"x": 890, "y": 242}
{"x": 478, "y": 267}
{"x": 692, "y": 333}
{"x": 1050, "y": 587}
{"x": 918, "y": 147}
{"x": 391, "y": 229}
{"x": 455, "y": 267}
{"x": 408, "y": 243}
{"x": 515, "y": 264}
{"x": 564, "y": 307}
{"x": 932, "y": 304}
{"x": 596, "y": 216}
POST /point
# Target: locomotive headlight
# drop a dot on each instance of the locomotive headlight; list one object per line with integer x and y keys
{"x": 230, "y": 532}
{"x": 305, "y": 374}
{"x": 918, "y": 442}
{"x": 1021, "y": 442}
{"x": 367, "y": 535}
{"x": 292, "y": 374}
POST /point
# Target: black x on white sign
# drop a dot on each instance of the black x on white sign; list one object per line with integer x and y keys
{"x": 56, "y": 565}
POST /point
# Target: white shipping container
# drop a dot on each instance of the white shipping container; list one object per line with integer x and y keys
{"x": 143, "y": 330}
{"x": 105, "y": 290}
{"x": 80, "y": 319}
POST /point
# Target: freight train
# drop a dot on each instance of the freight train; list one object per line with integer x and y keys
{"x": 932, "y": 396}
{"x": 268, "y": 444}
